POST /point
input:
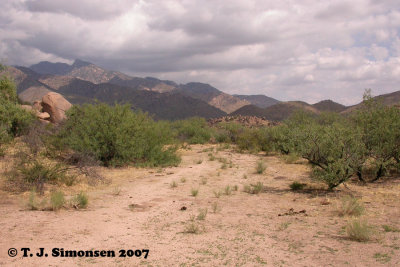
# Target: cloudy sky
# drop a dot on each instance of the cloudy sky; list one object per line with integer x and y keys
{"x": 289, "y": 49}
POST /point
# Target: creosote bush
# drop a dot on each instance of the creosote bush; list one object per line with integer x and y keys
{"x": 115, "y": 135}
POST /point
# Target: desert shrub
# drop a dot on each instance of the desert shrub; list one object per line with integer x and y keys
{"x": 253, "y": 139}
{"x": 194, "y": 130}
{"x": 381, "y": 136}
{"x": 14, "y": 121}
{"x": 350, "y": 206}
{"x": 296, "y": 186}
{"x": 80, "y": 201}
{"x": 334, "y": 148}
{"x": 228, "y": 132}
{"x": 359, "y": 230}
{"x": 260, "y": 167}
{"x": 29, "y": 172}
{"x": 115, "y": 135}
{"x": 57, "y": 200}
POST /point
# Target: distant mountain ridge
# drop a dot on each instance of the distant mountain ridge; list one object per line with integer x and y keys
{"x": 95, "y": 74}
{"x": 32, "y": 86}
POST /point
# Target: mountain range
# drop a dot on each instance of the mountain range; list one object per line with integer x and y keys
{"x": 84, "y": 82}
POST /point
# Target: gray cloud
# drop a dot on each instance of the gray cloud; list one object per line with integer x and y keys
{"x": 295, "y": 49}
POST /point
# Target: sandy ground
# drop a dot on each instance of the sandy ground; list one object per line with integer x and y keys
{"x": 141, "y": 210}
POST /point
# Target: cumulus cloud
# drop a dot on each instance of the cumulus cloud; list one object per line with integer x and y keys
{"x": 296, "y": 49}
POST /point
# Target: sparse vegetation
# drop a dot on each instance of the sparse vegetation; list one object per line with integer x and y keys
{"x": 350, "y": 206}
{"x": 296, "y": 186}
{"x": 388, "y": 228}
{"x": 57, "y": 200}
{"x": 215, "y": 207}
{"x": 260, "y": 168}
{"x": 359, "y": 230}
{"x": 192, "y": 228}
{"x": 81, "y": 200}
{"x": 30, "y": 172}
{"x": 254, "y": 189}
{"x": 173, "y": 184}
{"x": 217, "y": 194}
{"x": 228, "y": 190}
{"x": 202, "y": 214}
{"x": 194, "y": 192}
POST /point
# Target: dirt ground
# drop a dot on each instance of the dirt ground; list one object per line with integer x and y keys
{"x": 154, "y": 209}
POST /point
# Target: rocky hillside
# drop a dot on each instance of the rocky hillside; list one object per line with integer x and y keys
{"x": 260, "y": 101}
{"x": 212, "y": 96}
{"x": 90, "y": 72}
{"x": 33, "y": 86}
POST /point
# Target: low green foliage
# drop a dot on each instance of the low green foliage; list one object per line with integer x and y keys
{"x": 116, "y": 136}
{"x": 173, "y": 184}
{"x": 30, "y": 172}
{"x": 14, "y": 121}
{"x": 295, "y": 186}
{"x": 193, "y": 130}
{"x": 388, "y": 228}
{"x": 382, "y": 257}
{"x": 81, "y": 200}
{"x": 57, "y": 200}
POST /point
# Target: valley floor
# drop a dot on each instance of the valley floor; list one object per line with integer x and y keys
{"x": 154, "y": 209}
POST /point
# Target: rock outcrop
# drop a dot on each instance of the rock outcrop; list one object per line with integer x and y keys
{"x": 56, "y": 106}
{"x": 52, "y": 108}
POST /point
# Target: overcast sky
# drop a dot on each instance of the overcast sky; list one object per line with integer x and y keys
{"x": 289, "y": 49}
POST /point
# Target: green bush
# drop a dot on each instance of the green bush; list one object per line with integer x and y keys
{"x": 253, "y": 139}
{"x": 194, "y": 130}
{"x": 296, "y": 186}
{"x": 14, "y": 121}
{"x": 381, "y": 136}
{"x": 228, "y": 132}
{"x": 115, "y": 135}
{"x": 332, "y": 145}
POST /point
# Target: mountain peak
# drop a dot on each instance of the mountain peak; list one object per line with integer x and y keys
{"x": 80, "y": 63}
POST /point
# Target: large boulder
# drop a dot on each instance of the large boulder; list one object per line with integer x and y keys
{"x": 56, "y": 105}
